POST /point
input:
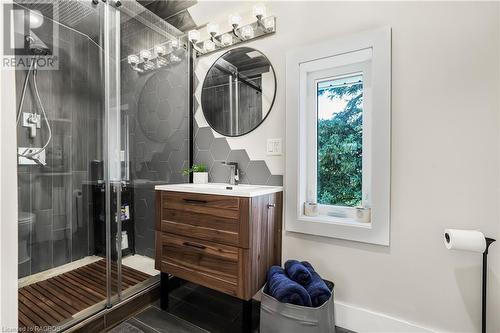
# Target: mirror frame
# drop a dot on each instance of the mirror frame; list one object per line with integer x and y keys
{"x": 270, "y": 106}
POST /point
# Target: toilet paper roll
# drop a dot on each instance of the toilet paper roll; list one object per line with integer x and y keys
{"x": 464, "y": 240}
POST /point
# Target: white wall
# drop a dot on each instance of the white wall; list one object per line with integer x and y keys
{"x": 445, "y": 155}
{"x": 8, "y": 197}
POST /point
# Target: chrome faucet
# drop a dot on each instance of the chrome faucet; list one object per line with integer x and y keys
{"x": 234, "y": 176}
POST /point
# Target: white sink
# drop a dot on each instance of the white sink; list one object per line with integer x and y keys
{"x": 222, "y": 189}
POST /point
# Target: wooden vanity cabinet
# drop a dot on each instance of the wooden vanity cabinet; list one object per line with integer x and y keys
{"x": 226, "y": 243}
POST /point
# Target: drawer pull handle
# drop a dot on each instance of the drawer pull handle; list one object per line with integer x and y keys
{"x": 198, "y": 246}
{"x": 271, "y": 205}
{"x": 194, "y": 201}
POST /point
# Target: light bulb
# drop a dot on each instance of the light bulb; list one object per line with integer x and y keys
{"x": 268, "y": 23}
{"x": 174, "y": 58}
{"x": 145, "y": 54}
{"x": 208, "y": 45}
{"x": 247, "y": 32}
{"x": 36, "y": 19}
{"x": 213, "y": 29}
{"x": 133, "y": 59}
{"x": 175, "y": 43}
{"x": 160, "y": 50}
{"x": 234, "y": 20}
{"x": 162, "y": 61}
{"x": 148, "y": 65}
{"x": 227, "y": 39}
{"x": 259, "y": 11}
{"x": 194, "y": 36}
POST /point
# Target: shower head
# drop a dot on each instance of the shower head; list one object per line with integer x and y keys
{"x": 36, "y": 46}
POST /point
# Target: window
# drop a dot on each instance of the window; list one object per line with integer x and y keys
{"x": 341, "y": 160}
{"x": 339, "y": 140}
{"x": 337, "y": 136}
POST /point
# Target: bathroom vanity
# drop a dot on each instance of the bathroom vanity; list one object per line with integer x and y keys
{"x": 220, "y": 236}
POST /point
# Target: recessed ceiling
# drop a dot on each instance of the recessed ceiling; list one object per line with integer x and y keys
{"x": 173, "y": 11}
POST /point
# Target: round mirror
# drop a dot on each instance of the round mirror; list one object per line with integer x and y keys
{"x": 238, "y": 91}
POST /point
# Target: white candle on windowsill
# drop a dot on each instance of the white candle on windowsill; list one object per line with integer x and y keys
{"x": 310, "y": 209}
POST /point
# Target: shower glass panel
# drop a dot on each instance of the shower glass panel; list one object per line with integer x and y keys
{"x": 61, "y": 161}
{"x": 154, "y": 96}
{"x": 94, "y": 135}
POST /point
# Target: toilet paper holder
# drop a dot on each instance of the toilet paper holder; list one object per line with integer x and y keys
{"x": 488, "y": 241}
{"x": 485, "y": 279}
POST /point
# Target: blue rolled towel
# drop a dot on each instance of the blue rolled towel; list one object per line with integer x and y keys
{"x": 285, "y": 290}
{"x": 317, "y": 288}
{"x": 297, "y": 272}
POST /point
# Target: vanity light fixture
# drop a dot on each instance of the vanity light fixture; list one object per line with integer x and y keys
{"x": 213, "y": 29}
{"x": 194, "y": 36}
{"x": 145, "y": 55}
{"x": 208, "y": 45}
{"x": 263, "y": 26}
{"x": 259, "y": 11}
{"x": 160, "y": 50}
{"x": 247, "y": 32}
{"x": 235, "y": 20}
{"x": 175, "y": 44}
{"x": 157, "y": 57}
{"x": 269, "y": 23}
{"x": 133, "y": 59}
{"x": 174, "y": 58}
{"x": 226, "y": 39}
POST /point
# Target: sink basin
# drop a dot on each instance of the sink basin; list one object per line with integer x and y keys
{"x": 241, "y": 190}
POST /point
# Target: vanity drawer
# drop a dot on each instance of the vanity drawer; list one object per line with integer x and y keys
{"x": 222, "y": 219}
{"x": 212, "y": 205}
{"x": 206, "y": 263}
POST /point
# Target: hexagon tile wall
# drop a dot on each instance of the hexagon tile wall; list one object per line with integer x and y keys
{"x": 213, "y": 151}
{"x": 156, "y": 105}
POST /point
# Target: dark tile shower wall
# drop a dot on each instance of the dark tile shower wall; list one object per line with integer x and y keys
{"x": 55, "y": 194}
{"x": 156, "y": 105}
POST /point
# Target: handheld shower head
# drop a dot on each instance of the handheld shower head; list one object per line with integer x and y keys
{"x": 36, "y": 46}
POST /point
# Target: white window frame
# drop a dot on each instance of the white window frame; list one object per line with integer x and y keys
{"x": 367, "y": 52}
{"x": 311, "y": 73}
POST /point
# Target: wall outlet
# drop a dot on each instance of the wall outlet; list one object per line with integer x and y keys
{"x": 274, "y": 147}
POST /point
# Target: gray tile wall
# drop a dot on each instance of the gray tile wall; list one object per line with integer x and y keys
{"x": 157, "y": 106}
{"x": 213, "y": 151}
{"x": 72, "y": 97}
{"x": 57, "y": 194}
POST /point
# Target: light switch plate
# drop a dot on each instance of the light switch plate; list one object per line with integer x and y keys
{"x": 274, "y": 147}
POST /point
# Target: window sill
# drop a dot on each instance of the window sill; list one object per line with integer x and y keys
{"x": 343, "y": 221}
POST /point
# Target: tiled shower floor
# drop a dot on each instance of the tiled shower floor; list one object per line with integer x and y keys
{"x": 48, "y": 303}
{"x": 138, "y": 262}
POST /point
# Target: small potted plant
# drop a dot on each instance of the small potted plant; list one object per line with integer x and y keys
{"x": 200, "y": 174}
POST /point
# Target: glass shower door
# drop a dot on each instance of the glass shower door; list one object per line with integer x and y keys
{"x": 112, "y": 160}
{"x": 147, "y": 89}
{"x": 110, "y": 130}
{"x": 68, "y": 174}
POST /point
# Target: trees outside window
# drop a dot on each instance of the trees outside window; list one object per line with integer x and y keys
{"x": 340, "y": 141}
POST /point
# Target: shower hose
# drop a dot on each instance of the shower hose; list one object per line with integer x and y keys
{"x": 33, "y": 68}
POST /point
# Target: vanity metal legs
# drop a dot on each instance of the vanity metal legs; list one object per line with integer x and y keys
{"x": 164, "y": 291}
{"x": 246, "y": 319}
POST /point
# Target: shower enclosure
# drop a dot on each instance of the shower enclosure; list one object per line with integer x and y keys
{"x": 95, "y": 132}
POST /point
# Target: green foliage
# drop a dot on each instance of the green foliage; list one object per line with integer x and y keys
{"x": 340, "y": 149}
{"x": 200, "y": 167}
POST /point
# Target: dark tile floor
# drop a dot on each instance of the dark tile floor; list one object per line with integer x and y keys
{"x": 195, "y": 309}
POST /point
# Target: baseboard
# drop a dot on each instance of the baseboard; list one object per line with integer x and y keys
{"x": 110, "y": 317}
{"x": 365, "y": 321}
